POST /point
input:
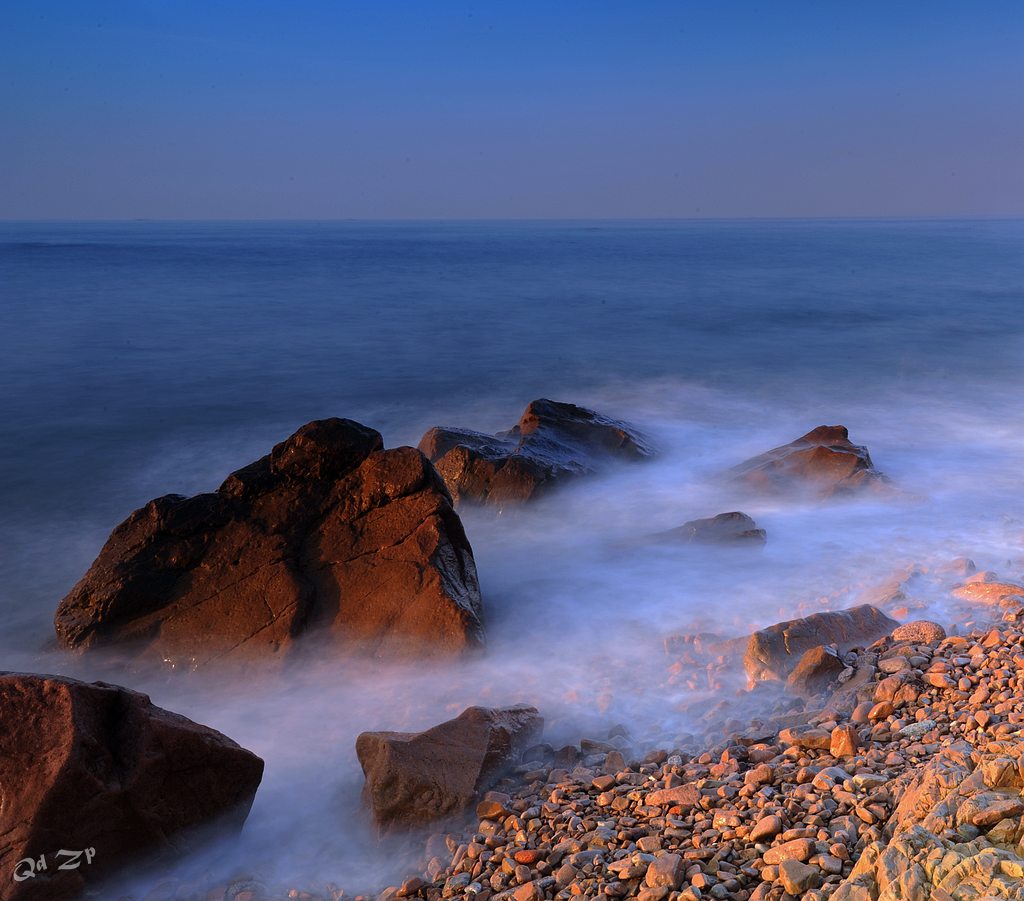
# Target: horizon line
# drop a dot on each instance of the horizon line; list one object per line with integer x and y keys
{"x": 484, "y": 219}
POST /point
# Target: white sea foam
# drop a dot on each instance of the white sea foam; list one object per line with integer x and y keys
{"x": 578, "y": 605}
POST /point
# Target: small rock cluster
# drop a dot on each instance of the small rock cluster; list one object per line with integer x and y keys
{"x": 552, "y": 443}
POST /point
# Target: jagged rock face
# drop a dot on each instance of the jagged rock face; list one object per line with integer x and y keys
{"x": 773, "y": 653}
{"x": 417, "y": 778}
{"x": 956, "y": 833}
{"x": 824, "y": 460}
{"x": 726, "y": 528}
{"x": 97, "y": 767}
{"x": 329, "y": 534}
{"x": 551, "y": 443}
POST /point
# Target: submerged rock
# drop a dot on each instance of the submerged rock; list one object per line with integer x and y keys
{"x": 97, "y": 769}
{"x": 551, "y": 443}
{"x": 416, "y": 778}
{"x": 824, "y": 459}
{"x": 725, "y": 528}
{"x": 772, "y": 653}
{"x": 328, "y": 534}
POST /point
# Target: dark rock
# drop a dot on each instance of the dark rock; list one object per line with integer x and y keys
{"x": 824, "y": 459}
{"x": 844, "y": 700}
{"x": 725, "y": 528}
{"x": 94, "y": 766}
{"x": 772, "y": 653}
{"x": 416, "y": 778}
{"x": 328, "y": 534}
{"x": 816, "y": 670}
{"x": 551, "y": 443}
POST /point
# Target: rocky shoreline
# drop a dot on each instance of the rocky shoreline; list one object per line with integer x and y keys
{"x": 915, "y": 792}
{"x": 903, "y": 780}
{"x": 863, "y": 760}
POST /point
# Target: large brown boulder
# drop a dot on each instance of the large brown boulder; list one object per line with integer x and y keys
{"x": 824, "y": 460}
{"x": 551, "y": 443}
{"x": 773, "y": 653}
{"x": 328, "y": 534}
{"x": 417, "y": 778}
{"x": 97, "y": 769}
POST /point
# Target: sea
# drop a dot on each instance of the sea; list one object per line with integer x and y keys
{"x": 144, "y": 358}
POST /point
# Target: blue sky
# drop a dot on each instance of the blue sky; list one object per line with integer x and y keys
{"x": 180, "y": 109}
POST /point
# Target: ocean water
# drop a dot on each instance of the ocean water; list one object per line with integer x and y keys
{"x": 138, "y": 359}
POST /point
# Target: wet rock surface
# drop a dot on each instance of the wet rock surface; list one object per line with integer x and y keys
{"x": 552, "y": 443}
{"x": 772, "y": 653}
{"x": 824, "y": 460}
{"x": 726, "y": 528}
{"x": 415, "y": 778}
{"x": 329, "y": 534}
{"x": 98, "y": 769}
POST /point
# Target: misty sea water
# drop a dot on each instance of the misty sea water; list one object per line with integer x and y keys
{"x": 142, "y": 358}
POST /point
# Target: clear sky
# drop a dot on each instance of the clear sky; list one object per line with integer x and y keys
{"x": 338, "y": 109}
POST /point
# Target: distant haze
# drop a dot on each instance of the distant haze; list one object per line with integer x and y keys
{"x": 183, "y": 109}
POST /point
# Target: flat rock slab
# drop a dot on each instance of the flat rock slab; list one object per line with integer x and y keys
{"x": 328, "y": 534}
{"x": 417, "y": 778}
{"x": 551, "y": 443}
{"x": 1006, "y": 594}
{"x": 774, "y": 652}
{"x": 824, "y": 460}
{"x": 97, "y": 768}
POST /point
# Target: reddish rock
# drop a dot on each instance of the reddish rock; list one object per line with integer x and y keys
{"x": 772, "y": 653}
{"x": 666, "y": 871}
{"x": 861, "y": 713}
{"x": 417, "y": 778}
{"x": 939, "y": 680}
{"x": 95, "y": 766}
{"x": 490, "y": 809}
{"x": 808, "y": 737}
{"x": 920, "y": 631}
{"x": 799, "y": 849}
{"x": 725, "y": 528}
{"x": 880, "y": 711}
{"x": 684, "y": 796}
{"x": 845, "y": 741}
{"x": 998, "y": 809}
{"x": 1006, "y": 594}
{"x": 329, "y": 533}
{"x": 815, "y": 671}
{"x": 798, "y": 878}
{"x": 824, "y": 459}
{"x": 766, "y": 828}
{"x": 551, "y": 443}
